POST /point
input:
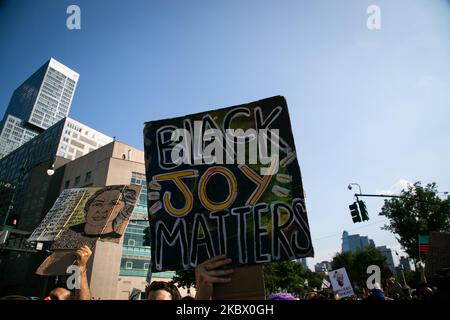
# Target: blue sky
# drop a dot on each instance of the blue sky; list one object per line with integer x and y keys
{"x": 367, "y": 106}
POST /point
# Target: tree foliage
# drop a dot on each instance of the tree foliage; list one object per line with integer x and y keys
{"x": 289, "y": 276}
{"x": 184, "y": 279}
{"x": 418, "y": 212}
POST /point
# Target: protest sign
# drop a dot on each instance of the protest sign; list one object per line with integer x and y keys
{"x": 81, "y": 217}
{"x": 247, "y": 284}
{"x": 341, "y": 283}
{"x": 59, "y": 215}
{"x": 215, "y": 188}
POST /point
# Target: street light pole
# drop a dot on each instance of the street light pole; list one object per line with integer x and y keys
{"x": 354, "y": 184}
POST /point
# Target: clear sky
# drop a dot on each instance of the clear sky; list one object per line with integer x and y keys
{"x": 367, "y": 106}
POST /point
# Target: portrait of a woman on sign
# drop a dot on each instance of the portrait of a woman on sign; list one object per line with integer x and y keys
{"x": 106, "y": 214}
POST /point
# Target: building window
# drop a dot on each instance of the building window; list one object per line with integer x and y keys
{"x": 88, "y": 176}
{"x": 146, "y": 266}
{"x": 129, "y": 265}
{"x": 77, "y": 181}
{"x": 131, "y": 242}
{"x": 66, "y": 184}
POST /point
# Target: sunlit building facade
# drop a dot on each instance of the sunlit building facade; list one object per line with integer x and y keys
{"x": 37, "y": 104}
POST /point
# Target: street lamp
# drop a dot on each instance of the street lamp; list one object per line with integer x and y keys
{"x": 354, "y": 184}
{"x": 51, "y": 170}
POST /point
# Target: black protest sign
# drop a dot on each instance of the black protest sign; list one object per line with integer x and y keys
{"x": 227, "y": 182}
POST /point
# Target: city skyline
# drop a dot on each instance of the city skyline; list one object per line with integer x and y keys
{"x": 360, "y": 112}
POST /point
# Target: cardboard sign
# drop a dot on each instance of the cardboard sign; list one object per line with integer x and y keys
{"x": 247, "y": 283}
{"x": 225, "y": 182}
{"x": 81, "y": 217}
{"x": 341, "y": 283}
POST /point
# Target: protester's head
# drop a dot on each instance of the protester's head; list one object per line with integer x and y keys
{"x": 188, "y": 298}
{"x": 281, "y": 296}
{"x": 107, "y": 209}
{"x": 311, "y": 295}
{"x": 334, "y": 296}
{"x": 60, "y": 293}
{"x": 377, "y": 294}
{"x": 321, "y": 296}
{"x": 160, "y": 290}
{"x": 376, "y": 285}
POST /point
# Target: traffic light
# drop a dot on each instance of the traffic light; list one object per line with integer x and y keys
{"x": 363, "y": 210}
{"x": 355, "y": 212}
{"x": 146, "y": 242}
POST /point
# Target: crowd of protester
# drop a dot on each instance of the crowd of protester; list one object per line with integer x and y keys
{"x": 216, "y": 270}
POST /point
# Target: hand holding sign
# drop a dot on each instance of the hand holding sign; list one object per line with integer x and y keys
{"x": 82, "y": 256}
{"x": 209, "y": 272}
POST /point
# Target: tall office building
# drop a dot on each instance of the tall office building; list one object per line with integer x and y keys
{"x": 355, "y": 242}
{"x": 387, "y": 253}
{"x": 324, "y": 266}
{"x": 37, "y": 104}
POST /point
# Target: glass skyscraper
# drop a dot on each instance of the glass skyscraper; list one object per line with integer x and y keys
{"x": 37, "y": 104}
{"x": 355, "y": 242}
{"x": 387, "y": 253}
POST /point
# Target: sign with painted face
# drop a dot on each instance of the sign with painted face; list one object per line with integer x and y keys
{"x": 89, "y": 213}
{"x": 226, "y": 182}
{"x": 81, "y": 216}
{"x": 102, "y": 213}
{"x": 341, "y": 283}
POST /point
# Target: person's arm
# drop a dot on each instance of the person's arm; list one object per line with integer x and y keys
{"x": 82, "y": 257}
{"x": 210, "y": 272}
{"x": 421, "y": 267}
